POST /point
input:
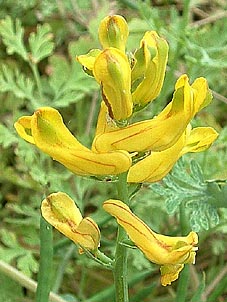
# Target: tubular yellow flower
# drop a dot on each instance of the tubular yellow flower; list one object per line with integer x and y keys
{"x": 158, "y": 164}
{"x": 113, "y": 32}
{"x": 169, "y": 252}
{"x": 45, "y": 129}
{"x": 112, "y": 71}
{"x": 151, "y": 84}
{"x": 63, "y": 214}
{"x": 165, "y": 129}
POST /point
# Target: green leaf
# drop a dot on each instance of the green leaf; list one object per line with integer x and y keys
{"x": 12, "y": 80}
{"x": 200, "y": 198}
{"x": 12, "y": 36}
{"x": 40, "y": 43}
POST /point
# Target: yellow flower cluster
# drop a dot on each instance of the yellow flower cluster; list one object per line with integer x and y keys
{"x": 127, "y": 85}
{"x": 147, "y": 149}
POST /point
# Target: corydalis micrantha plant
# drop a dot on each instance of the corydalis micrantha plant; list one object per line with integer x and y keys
{"x": 146, "y": 149}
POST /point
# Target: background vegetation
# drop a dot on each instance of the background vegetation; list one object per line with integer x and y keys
{"x": 39, "y": 43}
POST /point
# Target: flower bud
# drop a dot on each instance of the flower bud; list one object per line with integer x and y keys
{"x": 112, "y": 71}
{"x": 113, "y": 32}
{"x": 62, "y": 213}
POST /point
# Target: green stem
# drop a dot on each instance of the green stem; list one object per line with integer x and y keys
{"x": 120, "y": 267}
{"x": 186, "y": 14}
{"x": 183, "y": 221}
{"x": 37, "y": 79}
{"x": 45, "y": 266}
{"x": 182, "y": 287}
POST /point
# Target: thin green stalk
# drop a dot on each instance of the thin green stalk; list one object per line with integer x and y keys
{"x": 45, "y": 266}
{"x": 182, "y": 287}
{"x": 37, "y": 79}
{"x": 183, "y": 221}
{"x": 186, "y": 14}
{"x": 120, "y": 267}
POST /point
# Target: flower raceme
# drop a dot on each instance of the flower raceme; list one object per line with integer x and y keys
{"x": 46, "y": 130}
{"x": 169, "y": 252}
{"x": 148, "y": 149}
{"x": 62, "y": 213}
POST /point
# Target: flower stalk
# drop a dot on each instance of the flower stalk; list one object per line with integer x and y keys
{"x": 45, "y": 267}
{"x": 120, "y": 267}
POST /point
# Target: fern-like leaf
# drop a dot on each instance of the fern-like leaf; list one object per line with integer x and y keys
{"x": 201, "y": 198}
{"x": 12, "y": 80}
{"x": 12, "y": 36}
{"x": 40, "y": 43}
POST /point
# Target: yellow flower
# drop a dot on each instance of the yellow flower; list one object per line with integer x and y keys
{"x": 62, "y": 213}
{"x": 169, "y": 252}
{"x": 164, "y": 130}
{"x": 158, "y": 164}
{"x": 45, "y": 129}
{"x": 149, "y": 68}
{"x": 113, "y": 32}
{"x": 112, "y": 71}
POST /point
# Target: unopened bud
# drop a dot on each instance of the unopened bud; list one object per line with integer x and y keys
{"x": 113, "y": 32}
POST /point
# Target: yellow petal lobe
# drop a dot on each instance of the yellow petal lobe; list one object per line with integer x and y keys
{"x": 170, "y": 273}
{"x": 23, "y": 128}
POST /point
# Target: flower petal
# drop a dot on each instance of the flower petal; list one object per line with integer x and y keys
{"x": 199, "y": 139}
{"x": 23, "y": 127}
{"x": 88, "y": 60}
{"x": 170, "y": 273}
{"x": 156, "y": 165}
